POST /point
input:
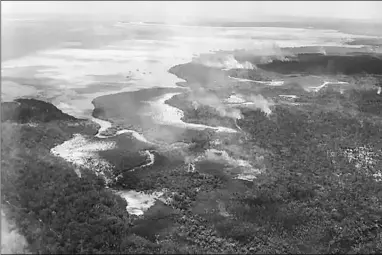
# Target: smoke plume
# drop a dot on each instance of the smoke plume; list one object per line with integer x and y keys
{"x": 259, "y": 102}
{"x": 200, "y": 96}
{"x": 222, "y": 61}
{"x": 12, "y": 242}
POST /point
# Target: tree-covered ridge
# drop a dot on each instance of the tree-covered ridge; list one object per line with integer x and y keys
{"x": 318, "y": 63}
{"x": 313, "y": 198}
{"x": 31, "y": 110}
{"x": 309, "y": 200}
{"x": 198, "y": 113}
{"x": 316, "y": 195}
{"x": 55, "y": 210}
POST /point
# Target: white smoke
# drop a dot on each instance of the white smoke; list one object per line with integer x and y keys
{"x": 12, "y": 242}
{"x": 264, "y": 53}
{"x": 138, "y": 202}
{"x": 252, "y": 101}
{"x": 259, "y": 102}
{"x": 222, "y": 61}
{"x": 248, "y": 172}
{"x": 217, "y": 155}
{"x": 82, "y": 152}
{"x": 201, "y": 96}
{"x": 234, "y": 99}
{"x": 322, "y": 51}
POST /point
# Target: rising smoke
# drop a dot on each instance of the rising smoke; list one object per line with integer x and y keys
{"x": 202, "y": 97}
{"x": 259, "y": 102}
{"x": 222, "y": 61}
{"x": 12, "y": 242}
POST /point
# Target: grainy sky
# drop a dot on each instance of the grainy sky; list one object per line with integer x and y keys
{"x": 201, "y": 10}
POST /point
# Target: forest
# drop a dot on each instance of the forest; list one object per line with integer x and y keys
{"x": 311, "y": 198}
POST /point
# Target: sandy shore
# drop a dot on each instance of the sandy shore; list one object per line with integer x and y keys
{"x": 166, "y": 114}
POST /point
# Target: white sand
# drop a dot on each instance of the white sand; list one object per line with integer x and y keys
{"x": 138, "y": 202}
{"x": 32, "y": 124}
{"x": 83, "y": 152}
{"x": 237, "y": 126}
{"x": 105, "y": 125}
{"x": 151, "y": 162}
{"x": 272, "y": 83}
{"x": 166, "y": 114}
{"x": 269, "y": 83}
{"x": 248, "y": 176}
{"x": 318, "y": 88}
{"x": 289, "y": 96}
{"x": 151, "y": 158}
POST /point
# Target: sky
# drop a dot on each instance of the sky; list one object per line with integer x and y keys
{"x": 203, "y": 10}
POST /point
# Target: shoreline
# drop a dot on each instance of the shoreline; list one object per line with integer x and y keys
{"x": 138, "y": 202}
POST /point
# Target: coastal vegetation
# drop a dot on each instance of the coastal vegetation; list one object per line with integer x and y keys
{"x": 310, "y": 199}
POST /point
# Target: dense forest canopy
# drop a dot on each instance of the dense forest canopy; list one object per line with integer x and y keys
{"x": 317, "y": 189}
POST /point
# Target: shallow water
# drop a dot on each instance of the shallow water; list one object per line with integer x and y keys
{"x": 269, "y": 83}
{"x": 116, "y": 57}
{"x": 105, "y": 125}
{"x": 87, "y": 61}
{"x": 166, "y": 114}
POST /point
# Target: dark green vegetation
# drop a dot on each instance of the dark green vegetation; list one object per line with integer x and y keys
{"x": 31, "y": 110}
{"x": 366, "y": 41}
{"x": 202, "y": 114}
{"x": 58, "y": 212}
{"x": 309, "y": 199}
{"x": 327, "y": 64}
{"x": 55, "y": 210}
{"x": 250, "y": 74}
{"x": 195, "y": 73}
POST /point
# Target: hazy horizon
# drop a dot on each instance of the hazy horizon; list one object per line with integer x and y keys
{"x": 191, "y": 11}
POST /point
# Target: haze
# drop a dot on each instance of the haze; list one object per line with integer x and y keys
{"x": 203, "y": 10}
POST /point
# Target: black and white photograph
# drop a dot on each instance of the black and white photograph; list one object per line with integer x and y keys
{"x": 191, "y": 127}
